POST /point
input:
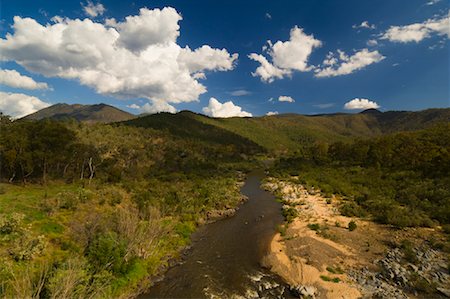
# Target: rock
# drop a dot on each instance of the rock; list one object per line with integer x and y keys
{"x": 303, "y": 291}
{"x": 445, "y": 292}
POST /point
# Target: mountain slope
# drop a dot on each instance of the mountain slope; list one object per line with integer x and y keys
{"x": 99, "y": 113}
{"x": 290, "y": 132}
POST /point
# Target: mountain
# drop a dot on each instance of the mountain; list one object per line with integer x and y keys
{"x": 289, "y": 132}
{"x": 99, "y": 113}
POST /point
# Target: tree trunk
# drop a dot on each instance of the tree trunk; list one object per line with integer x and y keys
{"x": 91, "y": 169}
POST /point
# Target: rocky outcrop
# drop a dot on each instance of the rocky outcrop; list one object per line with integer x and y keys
{"x": 396, "y": 275}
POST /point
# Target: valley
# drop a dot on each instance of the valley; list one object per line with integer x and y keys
{"x": 106, "y": 210}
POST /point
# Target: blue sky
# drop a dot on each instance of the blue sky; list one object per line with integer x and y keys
{"x": 409, "y": 68}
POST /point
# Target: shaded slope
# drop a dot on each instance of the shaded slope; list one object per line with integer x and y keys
{"x": 188, "y": 125}
{"x": 100, "y": 113}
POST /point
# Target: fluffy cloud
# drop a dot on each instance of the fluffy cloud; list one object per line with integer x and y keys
{"x": 342, "y": 64}
{"x": 418, "y": 31}
{"x": 136, "y": 58}
{"x": 18, "y": 104}
{"x": 360, "y": 104}
{"x": 14, "y": 79}
{"x": 270, "y": 113}
{"x": 93, "y": 10}
{"x": 286, "y": 99}
{"x": 267, "y": 71}
{"x": 288, "y": 56}
{"x": 154, "y": 107}
{"x": 227, "y": 109}
{"x": 372, "y": 42}
{"x": 364, "y": 24}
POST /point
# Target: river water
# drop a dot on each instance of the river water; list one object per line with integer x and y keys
{"x": 224, "y": 261}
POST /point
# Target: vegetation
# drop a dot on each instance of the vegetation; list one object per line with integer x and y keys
{"x": 399, "y": 179}
{"x": 92, "y": 211}
{"x": 352, "y": 226}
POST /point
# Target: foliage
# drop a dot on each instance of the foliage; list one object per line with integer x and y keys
{"x": 399, "y": 179}
{"x": 352, "y": 226}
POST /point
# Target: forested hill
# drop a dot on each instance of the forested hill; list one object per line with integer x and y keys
{"x": 100, "y": 113}
{"x": 289, "y": 132}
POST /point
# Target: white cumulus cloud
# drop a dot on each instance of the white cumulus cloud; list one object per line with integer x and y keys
{"x": 18, "y": 104}
{"x": 287, "y": 56}
{"x": 418, "y": 31}
{"x": 270, "y": 113}
{"x": 342, "y": 64}
{"x": 14, "y": 79}
{"x": 361, "y": 104}
{"x": 93, "y": 10}
{"x": 136, "y": 58}
{"x": 286, "y": 99}
{"x": 227, "y": 109}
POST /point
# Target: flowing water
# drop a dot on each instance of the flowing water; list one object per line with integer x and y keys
{"x": 224, "y": 261}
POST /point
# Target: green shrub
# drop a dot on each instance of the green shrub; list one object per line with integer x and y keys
{"x": 281, "y": 229}
{"x": 336, "y": 270}
{"x": 289, "y": 213}
{"x": 352, "y": 209}
{"x": 327, "y": 278}
{"x": 408, "y": 251}
{"x": 107, "y": 252}
{"x": 352, "y": 226}
{"x": 314, "y": 226}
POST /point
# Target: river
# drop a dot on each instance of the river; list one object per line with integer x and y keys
{"x": 224, "y": 260}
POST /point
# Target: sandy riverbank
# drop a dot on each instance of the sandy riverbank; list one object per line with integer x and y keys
{"x": 319, "y": 255}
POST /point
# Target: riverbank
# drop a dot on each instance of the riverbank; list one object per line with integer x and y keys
{"x": 224, "y": 260}
{"x": 326, "y": 255}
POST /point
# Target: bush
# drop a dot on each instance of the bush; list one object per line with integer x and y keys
{"x": 107, "y": 252}
{"x": 289, "y": 214}
{"x": 336, "y": 270}
{"x": 327, "y": 278}
{"x": 26, "y": 247}
{"x": 281, "y": 229}
{"x": 408, "y": 251}
{"x": 314, "y": 226}
{"x": 352, "y": 209}
{"x": 352, "y": 226}
{"x": 10, "y": 223}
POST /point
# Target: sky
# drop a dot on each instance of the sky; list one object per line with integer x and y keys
{"x": 225, "y": 58}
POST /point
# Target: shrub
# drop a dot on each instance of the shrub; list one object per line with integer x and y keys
{"x": 281, "y": 229}
{"x": 314, "y": 226}
{"x": 10, "y": 223}
{"x": 352, "y": 226}
{"x": 289, "y": 213}
{"x": 336, "y": 270}
{"x": 352, "y": 209}
{"x": 408, "y": 251}
{"x": 26, "y": 247}
{"x": 107, "y": 252}
{"x": 327, "y": 278}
